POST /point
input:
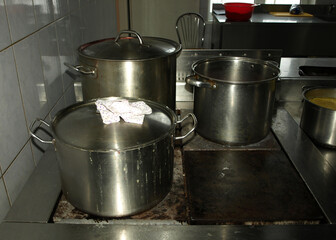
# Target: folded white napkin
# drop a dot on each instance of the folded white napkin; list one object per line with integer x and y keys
{"x": 111, "y": 110}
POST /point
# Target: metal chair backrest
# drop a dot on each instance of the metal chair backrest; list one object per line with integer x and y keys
{"x": 190, "y": 28}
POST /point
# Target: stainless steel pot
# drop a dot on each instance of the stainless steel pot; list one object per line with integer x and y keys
{"x": 140, "y": 67}
{"x": 318, "y": 122}
{"x": 117, "y": 169}
{"x": 233, "y": 98}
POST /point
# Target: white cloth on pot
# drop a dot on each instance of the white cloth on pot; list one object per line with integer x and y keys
{"x": 111, "y": 110}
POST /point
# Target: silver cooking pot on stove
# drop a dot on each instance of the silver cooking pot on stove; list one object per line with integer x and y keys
{"x": 129, "y": 66}
{"x": 233, "y": 98}
{"x": 317, "y": 121}
{"x": 117, "y": 169}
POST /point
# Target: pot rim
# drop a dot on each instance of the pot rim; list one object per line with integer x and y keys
{"x": 169, "y": 112}
{"x": 230, "y": 58}
{"x": 176, "y": 52}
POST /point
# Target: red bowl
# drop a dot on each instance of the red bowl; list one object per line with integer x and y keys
{"x": 238, "y": 11}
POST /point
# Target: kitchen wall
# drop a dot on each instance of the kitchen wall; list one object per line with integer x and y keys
{"x": 158, "y": 17}
{"x": 37, "y": 37}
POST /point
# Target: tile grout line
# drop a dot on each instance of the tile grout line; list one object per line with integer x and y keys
{"x": 32, "y": 33}
{"x": 16, "y": 156}
{"x": 6, "y": 190}
{"x": 8, "y": 25}
{"x": 24, "y": 111}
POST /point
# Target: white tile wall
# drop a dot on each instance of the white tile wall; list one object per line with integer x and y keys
{"x": 4, "y": 36}
{"x": 44, "y": 12}
{"x": 37, "y": 37}
{"x": 105, "y": 13}
{"x": 58, "y": 106}
{"x": 13, "y": 129}
{"x": 51, "y": 63}
{"x": 61, "y": 8}
{"x": 69, "y": 96}
{"x": 73, "y": 4}
{"x": 66, "y": 53}
{"x": 16, "y": 176}
{"x": 4, "y": 203}
{"x": 29, "y": 68}
{"x": 76, "y": 30}
{"x": 21, "y": 18}
{"x": 88, "y": 10}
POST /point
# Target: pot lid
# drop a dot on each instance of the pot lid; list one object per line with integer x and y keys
{"x": 130, "y": 47}
{"x": 81, "y": 126}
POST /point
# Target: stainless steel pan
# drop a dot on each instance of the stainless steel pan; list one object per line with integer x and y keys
{"x": 233, "y": 98}
{"x": 317, "y": 121}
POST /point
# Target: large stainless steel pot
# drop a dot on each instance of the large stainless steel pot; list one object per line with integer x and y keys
{"x": 319, "y": 122}
{"x": 117, "y": 169}
{"x": 140, "y": 67}
{"x": 233, "y": 98}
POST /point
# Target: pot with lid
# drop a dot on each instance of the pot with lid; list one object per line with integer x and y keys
{"x": 115, "y": 169}
{"x": 233, "y": 98}
{"x": 129, "y": 66}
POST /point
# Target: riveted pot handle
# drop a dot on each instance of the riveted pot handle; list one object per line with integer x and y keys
{"x": 192, "y": 80}
{"x": 129, "y": 32}
{"x": 34, "y": 135}
{"x": 85, "y": 70}
{"x": 191, "y": 130}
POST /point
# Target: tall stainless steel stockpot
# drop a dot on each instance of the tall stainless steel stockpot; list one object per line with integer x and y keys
{"x": 129, "y": 66}
{"x": 233, "y": 98}
{"x": 117, "y": 169}
{"x": 319, "y": 122}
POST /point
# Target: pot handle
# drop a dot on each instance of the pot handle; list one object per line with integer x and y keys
{"x": 191, "y": 130}
{"x": 82, "y": 69}
{"x": 129, "y": 32}
{"x": 192, "y": 80}
{"x": 34, "y": 135}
